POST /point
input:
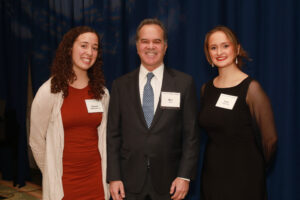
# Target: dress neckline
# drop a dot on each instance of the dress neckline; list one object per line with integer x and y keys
{"x": 212, "y": 82}
{"x": 78, "y": 89}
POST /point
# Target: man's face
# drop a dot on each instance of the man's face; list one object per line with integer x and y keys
{"x": 151, "y": 46}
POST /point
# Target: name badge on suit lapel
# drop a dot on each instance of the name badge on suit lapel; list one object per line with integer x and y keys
{"x": 93, "y": 106}
{"x": 170, "y": 100}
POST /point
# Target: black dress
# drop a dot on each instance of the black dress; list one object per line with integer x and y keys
{"x": 236, "y": 153}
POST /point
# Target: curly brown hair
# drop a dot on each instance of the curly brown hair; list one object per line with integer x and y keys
{"x": 62, "y": 67}
{"x": 241, "y": 55}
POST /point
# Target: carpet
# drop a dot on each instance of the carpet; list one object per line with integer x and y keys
{"x": 28, "y": 192}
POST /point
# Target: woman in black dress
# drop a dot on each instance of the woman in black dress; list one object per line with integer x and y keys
{"x": 237, "y": 116}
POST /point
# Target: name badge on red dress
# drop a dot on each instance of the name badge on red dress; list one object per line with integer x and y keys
{"x": 93, "y": 106}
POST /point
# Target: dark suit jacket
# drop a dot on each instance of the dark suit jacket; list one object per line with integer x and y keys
{"x": 170, "y": 145}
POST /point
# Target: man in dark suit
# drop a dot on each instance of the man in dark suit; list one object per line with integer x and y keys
{"x": 152, "y": 138}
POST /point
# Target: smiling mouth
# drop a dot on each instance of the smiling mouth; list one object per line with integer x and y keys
{"x": 151, "y": 54}
{"x": 86, "y": 60}
{"x": 221, "y": 59}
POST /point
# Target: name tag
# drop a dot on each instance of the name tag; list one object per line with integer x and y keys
{"x": 93, "y": 105}
{"x": 170, "y": 99}
{"x": 226, "y": 101}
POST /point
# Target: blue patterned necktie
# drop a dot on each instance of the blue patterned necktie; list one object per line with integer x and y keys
{"x": 148, "y": 100}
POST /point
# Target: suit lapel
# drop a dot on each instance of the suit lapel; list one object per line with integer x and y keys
{"x": 135, "y": 94}
{"x": 168, "y": 85}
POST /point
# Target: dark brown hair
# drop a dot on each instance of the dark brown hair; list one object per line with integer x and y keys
{"x": 241, "y": 55}
{"x": 150, "y": 21}
{"x": 62, "y": 67}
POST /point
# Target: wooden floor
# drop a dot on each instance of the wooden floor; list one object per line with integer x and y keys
{"x": 29, "y": 192}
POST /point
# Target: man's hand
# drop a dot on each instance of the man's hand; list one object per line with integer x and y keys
{"x": 180, "y": 187}
{"x": 116, "y": 189}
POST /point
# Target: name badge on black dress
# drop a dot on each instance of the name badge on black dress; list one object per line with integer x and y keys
{"x": 226, "y": 101}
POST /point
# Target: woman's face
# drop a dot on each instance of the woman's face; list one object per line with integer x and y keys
{"x": 221, "y": 49}
{"x": 84, "y": 51}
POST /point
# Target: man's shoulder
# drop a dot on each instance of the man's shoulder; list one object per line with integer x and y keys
{"x": 181, "y": 76}
{"x": 127, "y": 76}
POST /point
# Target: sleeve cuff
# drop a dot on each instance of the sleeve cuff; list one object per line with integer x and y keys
{"x": 186, "y": 179}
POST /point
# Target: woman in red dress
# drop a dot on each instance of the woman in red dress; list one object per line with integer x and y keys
{"x": 68, "y": 121}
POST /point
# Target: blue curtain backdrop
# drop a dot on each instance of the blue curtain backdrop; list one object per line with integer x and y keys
{"x": 269, "y": 30}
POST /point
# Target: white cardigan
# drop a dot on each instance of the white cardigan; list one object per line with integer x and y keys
{"x": 47, "y": 140}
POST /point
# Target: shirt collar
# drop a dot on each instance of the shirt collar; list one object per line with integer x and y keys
{"x": 158, "y": 72}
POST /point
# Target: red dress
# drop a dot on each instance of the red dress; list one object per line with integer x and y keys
{"x": 82, "y": 174}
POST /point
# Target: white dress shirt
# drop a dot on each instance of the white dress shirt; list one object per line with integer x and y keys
{"x": 156, "y": 82}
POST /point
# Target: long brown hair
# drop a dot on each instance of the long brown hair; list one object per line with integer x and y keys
{"x": 241, "y": 55}
{"x": 62, "y": 67}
